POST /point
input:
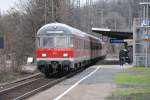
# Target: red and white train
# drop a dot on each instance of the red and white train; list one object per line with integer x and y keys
{"x": 61, "y": 48}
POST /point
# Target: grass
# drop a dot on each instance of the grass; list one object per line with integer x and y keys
{"x": 134, "y": 84}
{"x": 132, "y": 79}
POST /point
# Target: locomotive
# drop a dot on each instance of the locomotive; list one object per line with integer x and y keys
{"x": 62, "y": 48}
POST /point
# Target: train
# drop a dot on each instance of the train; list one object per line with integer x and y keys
{"x": 62, "y": 48}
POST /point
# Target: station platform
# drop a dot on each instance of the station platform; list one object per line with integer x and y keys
{"x": 94, "y": 83}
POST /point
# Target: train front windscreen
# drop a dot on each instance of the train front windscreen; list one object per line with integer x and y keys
{"x": 55, "y": 41}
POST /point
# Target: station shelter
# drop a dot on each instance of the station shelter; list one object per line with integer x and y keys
{"x": 118, "y": 37}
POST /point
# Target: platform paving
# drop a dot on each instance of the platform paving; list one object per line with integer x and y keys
{"x": 84, "y": 86}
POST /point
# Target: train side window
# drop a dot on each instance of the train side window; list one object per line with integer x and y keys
{"x": 84, "y": 44}
{"x": 71, "y": 41}
{"x": 80, "y": 42}
{"x": 76, "y": 43}
{"x": 96, "y": 45}
{"x": 79, "y": 47}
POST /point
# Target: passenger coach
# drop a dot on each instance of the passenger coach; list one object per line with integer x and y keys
{"x": 61, "y": 48}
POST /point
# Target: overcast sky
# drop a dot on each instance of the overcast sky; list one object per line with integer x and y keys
{"x": 6, "y": 4}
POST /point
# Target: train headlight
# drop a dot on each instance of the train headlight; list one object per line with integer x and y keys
{"x": 44, "y": 55}
{"x": 65, "y": 55}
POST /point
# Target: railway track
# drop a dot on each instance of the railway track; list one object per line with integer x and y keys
{"x": 12, "y": 84}
{"x": 27, "y": 89}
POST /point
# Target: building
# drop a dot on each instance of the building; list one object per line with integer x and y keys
{"x": 141, "y": 37}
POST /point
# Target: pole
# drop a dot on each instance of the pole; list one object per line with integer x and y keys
{"x": 115, "y": 24}
{"x": 45, "y": 12}
{"x": 102, "y": 17}
{"x": 53, "y": 11}
{"x": 147, "y": 34}
{"x": 78, "y": 12}
{"x": 87, "y": 15}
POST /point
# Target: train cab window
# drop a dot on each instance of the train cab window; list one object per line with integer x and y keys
{"x": 48, "y": 42}
{"x": 61, "y": 42}
{"x": 56, "y": 41}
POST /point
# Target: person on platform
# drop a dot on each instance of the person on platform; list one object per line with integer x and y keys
{"x": 122, "y": 55}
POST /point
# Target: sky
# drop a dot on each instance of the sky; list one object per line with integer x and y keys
{"x": 6, "y": 4}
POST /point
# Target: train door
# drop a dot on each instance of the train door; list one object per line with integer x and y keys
{"x": 91, "y": 48}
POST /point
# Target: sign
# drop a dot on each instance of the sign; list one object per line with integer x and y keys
{"x": 145, "y": 23}
{"x": 30, "y": 60}
{"x": 147, "y": 38}
{"x": 117, "y": 41}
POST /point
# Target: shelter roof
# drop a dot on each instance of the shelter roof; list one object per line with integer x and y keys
{"x": 113, "y": 34}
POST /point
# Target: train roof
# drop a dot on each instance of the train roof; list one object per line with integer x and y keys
{"x": 68, "y": 29}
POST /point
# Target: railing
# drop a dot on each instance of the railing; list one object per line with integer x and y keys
{"x": 141, "y": 59}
